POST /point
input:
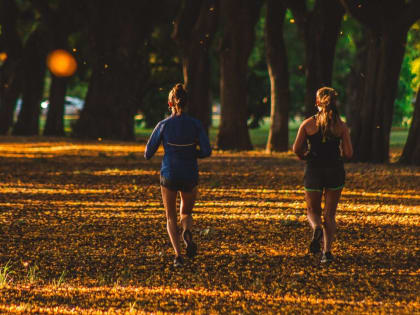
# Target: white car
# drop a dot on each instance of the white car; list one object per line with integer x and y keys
{"x": 72, "y": 106}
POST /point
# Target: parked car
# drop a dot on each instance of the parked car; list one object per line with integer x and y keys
{"x": 72, "y": 106}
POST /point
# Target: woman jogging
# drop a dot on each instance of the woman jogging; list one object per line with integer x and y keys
{"x": 180, "y": 135}
{"x": 319, "y": 141}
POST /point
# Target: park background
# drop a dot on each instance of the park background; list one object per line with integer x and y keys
{"x": 82, "y": 224}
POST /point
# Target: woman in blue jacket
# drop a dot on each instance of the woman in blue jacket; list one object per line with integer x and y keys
{"x": 184, "y": 140}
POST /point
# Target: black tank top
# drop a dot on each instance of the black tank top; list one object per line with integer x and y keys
{"x": 324, "y": 151}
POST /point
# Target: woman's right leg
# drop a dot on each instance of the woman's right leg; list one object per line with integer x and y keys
{"x": 187, "y": 204}
{"x": 169, "y": 201}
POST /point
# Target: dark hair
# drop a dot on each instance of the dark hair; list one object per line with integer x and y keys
{"x": 178, "y": 96}
{"x": 328, "y": 116}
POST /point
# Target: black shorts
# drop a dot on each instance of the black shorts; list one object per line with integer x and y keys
{"x": 320, "y": 178}
{"x": 178, "y": 185}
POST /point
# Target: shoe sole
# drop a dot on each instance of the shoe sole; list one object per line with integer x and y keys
{"x": 191, "y": 249}
{"x": 315, "y": 246}
{"x": 191, "y": 246}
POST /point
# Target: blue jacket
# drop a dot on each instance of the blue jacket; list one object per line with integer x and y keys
{"x": 180, "y": 136}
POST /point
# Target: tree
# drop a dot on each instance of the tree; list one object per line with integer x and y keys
{"x": 319, "y": 28}
{"x": 385, "y": 52}
{"x": 60, "y": 24}
{"x": 194, "y": 30}
{"x": 34, "y": 68}
{"x": 117, "y": 31}
{"x": 10, "y": 73}
{"x": 239, "y": 18}
{"x": 278, "y": 138}
{"x": 411, "y": 151}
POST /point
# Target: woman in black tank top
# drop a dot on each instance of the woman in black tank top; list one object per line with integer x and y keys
{"x": 322, "y": 141}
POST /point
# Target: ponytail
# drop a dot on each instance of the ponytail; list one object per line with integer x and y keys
{"x": 328, "y": 117}
{"x": 178, "y": 96}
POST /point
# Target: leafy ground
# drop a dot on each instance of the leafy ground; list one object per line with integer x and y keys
{"x": 82, "y": 229}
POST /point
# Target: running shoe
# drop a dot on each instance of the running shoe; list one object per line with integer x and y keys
{"x": 327, "y": 258}
{"x": 178, "y": 262}
{"x": 315, "y": 246}
{"x": 191, "y": 246}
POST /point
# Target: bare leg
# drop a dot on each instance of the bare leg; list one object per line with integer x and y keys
{"x": 169, "y": 201}
{"x": 313, "y": 204}
{"x": 331, "y": 200}
{"x": 187, "y": 204}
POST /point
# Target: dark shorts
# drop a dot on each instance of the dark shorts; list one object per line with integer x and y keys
{"x": 178, "y": 185}
{"x": 320, "y": 178}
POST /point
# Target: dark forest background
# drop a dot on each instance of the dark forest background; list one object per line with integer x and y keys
{"x": 253, "y": 58}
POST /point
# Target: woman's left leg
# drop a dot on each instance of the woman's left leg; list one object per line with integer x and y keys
{"x": 331, "y": 201}
{"x": 169, "y": 201}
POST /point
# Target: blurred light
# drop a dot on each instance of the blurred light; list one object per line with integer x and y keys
{"x": 359, "y": 6}
{"x": 265, "y": 100}
{"x": 3, "y": 56}
{"x": 74, "y": 49}
{"x": 99, "y": 139}
{"x": 292, "y": 21}
{"x": 211, "y": 9}
{"x": 61, "y": 63}
{"x": 106, "y": 66}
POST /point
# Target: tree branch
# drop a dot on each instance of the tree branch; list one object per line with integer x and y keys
{"x": 367, "y": 12}
{"x": 186, "y": 20}
{"x": 410, "y": 14}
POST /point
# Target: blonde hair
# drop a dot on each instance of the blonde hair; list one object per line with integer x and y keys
{"x": 178, "y": 96}
{"x": 328, "y": 117}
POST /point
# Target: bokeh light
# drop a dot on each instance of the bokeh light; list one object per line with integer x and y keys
{"x": 3, "y": 57}
{"x": 61, "y": 63}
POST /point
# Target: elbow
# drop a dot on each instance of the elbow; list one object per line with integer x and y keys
{"x": 295, "y": 149}
{"x": 349, "y": 154}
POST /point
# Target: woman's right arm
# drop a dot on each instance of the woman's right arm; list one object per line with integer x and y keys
{"x": 154, "y": 141}
{"x": 299, "y": 145}
{"x": 346, "y": 143}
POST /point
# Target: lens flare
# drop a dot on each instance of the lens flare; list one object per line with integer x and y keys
{"x": 3, "y": 57}
{"x": 61, "y": 63}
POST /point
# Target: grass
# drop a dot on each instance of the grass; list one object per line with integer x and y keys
{"x": 94, "y": 209}
{"x": 258, "y": 136}
{"x": 5, "y": 274}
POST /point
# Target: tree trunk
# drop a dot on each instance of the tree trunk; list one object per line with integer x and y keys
{"x": 355, "y": 84}
{"x": 319, "y": 28}
{"x": 117, "y": 32}
{"x": 239, "y": 19}
{"x": 10, "y": 74}
{"x": 385, "y": 54}
{"x": 411, "y": 152}
{"x": 54, "y": 125}
{"x": 33, "y": 66}
{"x": 60, "y": 23}
{"x": 194, "y": 32}
{"x": 278, "y": 138}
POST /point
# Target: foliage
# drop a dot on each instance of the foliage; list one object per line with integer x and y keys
{"x": 409, "y": 79}
{"x": 94, "y": 209}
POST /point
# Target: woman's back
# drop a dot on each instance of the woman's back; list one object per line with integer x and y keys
{"x": 324, "y": 150}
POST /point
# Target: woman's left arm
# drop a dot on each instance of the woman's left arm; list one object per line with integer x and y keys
{"x": 299, "y": 145}
{"x": 203, "y": 142}
{"x": 154, "y": 141}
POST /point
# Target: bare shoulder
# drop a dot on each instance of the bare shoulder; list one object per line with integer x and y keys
{"x": 343, "y": 127}
{"x": 308, "y": 122}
